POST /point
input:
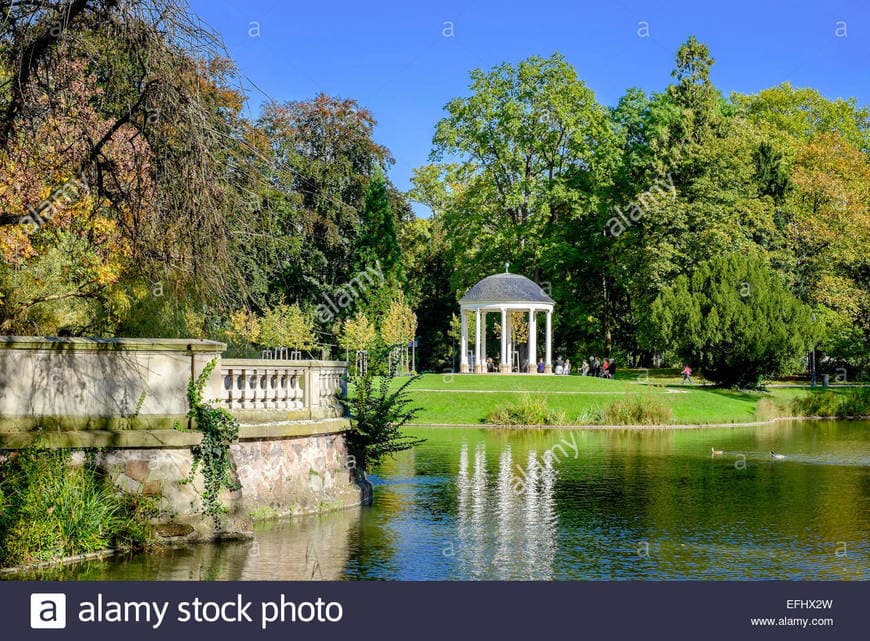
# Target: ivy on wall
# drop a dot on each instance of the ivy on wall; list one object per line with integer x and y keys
{"x": 219, "y": 430}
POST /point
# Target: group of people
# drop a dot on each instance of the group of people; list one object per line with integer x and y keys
{"x": 595, "y": 367}
{"x": 591, "y": 367}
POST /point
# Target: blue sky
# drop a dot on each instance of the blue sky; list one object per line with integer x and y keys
{"x": 394, "y": 58}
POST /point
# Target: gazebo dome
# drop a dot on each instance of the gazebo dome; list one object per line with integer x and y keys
{"x": 506, "y": 288}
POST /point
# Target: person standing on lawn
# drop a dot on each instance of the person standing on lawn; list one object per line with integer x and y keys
{"x": 687, "y": 375}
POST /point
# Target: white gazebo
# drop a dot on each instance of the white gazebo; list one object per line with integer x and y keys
{"x": 504, "y": 294}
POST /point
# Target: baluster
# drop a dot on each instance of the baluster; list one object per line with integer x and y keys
{"x": 229, "y": 383}
{"x": 275, "y": 387}
{"x": 305, "y": 398}
{"x": 253, "y": 384}
{"x": 261, "y": 388}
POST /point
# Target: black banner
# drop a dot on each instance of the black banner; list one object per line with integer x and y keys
{"x": 401, "y": 610}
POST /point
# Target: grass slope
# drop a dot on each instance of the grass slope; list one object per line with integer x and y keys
{"x": 468, "y": 398}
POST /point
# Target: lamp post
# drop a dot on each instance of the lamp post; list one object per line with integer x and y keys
{"x": 813, "y": 383}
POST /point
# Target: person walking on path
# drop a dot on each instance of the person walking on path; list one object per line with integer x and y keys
{"x": 687, "y": 376}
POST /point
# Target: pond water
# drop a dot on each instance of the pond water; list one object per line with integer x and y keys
{"x": 491, "y": 504}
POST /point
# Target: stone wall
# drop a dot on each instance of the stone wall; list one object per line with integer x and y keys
{"x": 279, "y": 477}
{"x": 128, "y": 397}
{"x": 95, "y": 383}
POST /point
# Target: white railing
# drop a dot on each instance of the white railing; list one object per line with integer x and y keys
{"x": 267, "y": 384}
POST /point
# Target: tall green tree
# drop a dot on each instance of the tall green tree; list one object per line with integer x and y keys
{"x": 377, "y": 246}
{"x": 527, "y": 149}
{"x": 323, "y": 158}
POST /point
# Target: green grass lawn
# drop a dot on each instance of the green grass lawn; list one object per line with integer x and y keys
{"x": 468, "y": 398}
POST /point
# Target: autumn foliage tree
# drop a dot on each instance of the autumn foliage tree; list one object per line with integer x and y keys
{"x": 116, "y": 122}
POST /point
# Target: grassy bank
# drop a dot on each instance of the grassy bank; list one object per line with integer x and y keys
{"x": 52, "y": 506}
{"x": 469, "y": 398}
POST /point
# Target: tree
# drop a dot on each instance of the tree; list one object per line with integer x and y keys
{"x": 527, "y": 150}
{"x": 116, "y": 122}
{"x": 735, "y": 319}
{"x": 286, "y": 326}
{"x": 399, "y": 325}
{"x": 323, "y": 157}
{"x": 428, "y": 267}
{"x": 398, "y": 329}
{"x": 378, "y": 244}
{"x": 693, "y": 92}
{"x": 357, "y": 333}
{"x": 803, "y": 113}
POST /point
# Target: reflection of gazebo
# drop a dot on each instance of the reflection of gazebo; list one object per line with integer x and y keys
{"x": 505, "y": 293}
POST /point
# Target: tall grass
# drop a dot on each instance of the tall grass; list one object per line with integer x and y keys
{"x": 50, "y": 508}
{"x": 528, "y": 410}
{"x": 637, "y": 410}
{"x": 848, "y": 402}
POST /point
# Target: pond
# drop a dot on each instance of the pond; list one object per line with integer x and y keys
{"x": 622, "y": 504}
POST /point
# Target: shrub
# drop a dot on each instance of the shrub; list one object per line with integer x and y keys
{"x": 377, "y": 414}
{"x": 528, "y": 410}
{"x": 637, "y": 410}
{"x": 51, "y": 508}
{"x": 850, "y": 402}
{"x": 855, "y": 402}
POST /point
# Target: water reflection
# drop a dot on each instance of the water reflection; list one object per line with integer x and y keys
{"x": 477, "y": 504}
{"x": 515, "y": 537}
{"x": 306, "y": 548}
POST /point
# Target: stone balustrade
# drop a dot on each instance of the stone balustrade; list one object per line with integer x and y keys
{"x": 122, "y": 386}
{"x": 259, "y": 389}
{"x": 257, "y": 384}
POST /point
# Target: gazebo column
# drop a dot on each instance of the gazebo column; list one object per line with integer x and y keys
{"x": 510, "y": 340}
{"x": 503, "y": 365}
{"x": 548, "y": 359}
{"x": 483, "y": 338}
{"x": 477, "y": 364}
{"x": 533, "y": 342}
{"x": 463, "y": 343}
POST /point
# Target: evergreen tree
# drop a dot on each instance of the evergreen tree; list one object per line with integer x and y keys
{"x": 377, "y": 246}
{"x": 735, "y": 319}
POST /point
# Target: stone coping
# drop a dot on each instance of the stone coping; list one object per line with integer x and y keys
{"x": 121, "y": 424}
{"x": 274, "y": 362}
{"x": 62, "y": 343}
{"x": 169, "y": 438}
